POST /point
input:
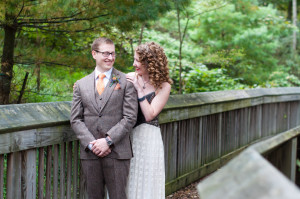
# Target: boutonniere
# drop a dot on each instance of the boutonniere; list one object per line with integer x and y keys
{"x": 115, "y": 79}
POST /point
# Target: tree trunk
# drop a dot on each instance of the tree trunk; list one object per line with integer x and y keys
{"x": 290, "y": 10}
{"x": 7, "y": 61}
{"x": 141, "y": 34}
{"x": 180, "y": 50}
{"x": 295, "y": 24}
{"x": 38, "y": 76}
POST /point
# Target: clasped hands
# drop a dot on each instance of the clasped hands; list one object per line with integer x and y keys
{"x": 100, "y": 147}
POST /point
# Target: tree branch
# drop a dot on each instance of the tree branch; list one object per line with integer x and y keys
{"x": 48, "y": 21}
{"x": 209, "y": 10}
{"x": 15, "y": 19}
{"x": 44, "y": 29}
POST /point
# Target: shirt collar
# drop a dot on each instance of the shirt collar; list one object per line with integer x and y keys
{"x": 107, "y": 73}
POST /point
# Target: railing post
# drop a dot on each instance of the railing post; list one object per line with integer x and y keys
{"x": 288, "y": 156}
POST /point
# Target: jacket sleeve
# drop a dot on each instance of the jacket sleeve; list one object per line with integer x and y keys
{"x": 130, "y": 109}
{"x": 77, "y": 120}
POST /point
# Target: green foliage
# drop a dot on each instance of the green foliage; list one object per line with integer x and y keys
{"x": 257, "y": 33}
{"x": 200, "y": 79}
{"x": 229, "y": 44}
{"x": 56, "y": 83}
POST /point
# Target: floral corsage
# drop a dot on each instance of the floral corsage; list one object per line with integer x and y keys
{"x": 115, "y": 79}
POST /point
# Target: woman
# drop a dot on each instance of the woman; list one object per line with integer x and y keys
{"x": 151, "y": 80}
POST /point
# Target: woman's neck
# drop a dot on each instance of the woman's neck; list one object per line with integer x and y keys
{"x": 145, "y": 78}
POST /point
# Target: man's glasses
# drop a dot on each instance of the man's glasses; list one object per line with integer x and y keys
{"x": 106, "y": 54}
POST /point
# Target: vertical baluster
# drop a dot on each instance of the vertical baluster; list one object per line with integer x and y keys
{"x": 1, "y": 176}
{"x": 29, "y": 174}
{"x": 62, "y": 170}
{"x": 75, "y": 172}
{"x": 55, "y": 172}
{"x": 48, "y": 172}
{"x": 41, "y": 173}
{"x": 69, "y": 169}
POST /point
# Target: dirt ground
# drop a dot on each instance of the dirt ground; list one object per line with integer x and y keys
{"x": 189, "y": 192}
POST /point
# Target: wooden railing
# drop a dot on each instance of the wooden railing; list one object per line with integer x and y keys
{"x": 201, "y": 132}
{"x": 268, "y": 168}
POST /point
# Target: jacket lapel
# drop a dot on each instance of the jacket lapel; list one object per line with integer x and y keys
{"x": 91, "y": 90}
{"x": 108, "y": 89}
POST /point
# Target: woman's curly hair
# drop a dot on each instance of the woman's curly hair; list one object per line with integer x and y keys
{"x": 152, "y": 56}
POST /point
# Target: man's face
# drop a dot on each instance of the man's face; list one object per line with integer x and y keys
{"x": 104, "y": 62}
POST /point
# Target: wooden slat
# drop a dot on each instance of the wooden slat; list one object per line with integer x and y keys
{"x": 69, "y": 169}
{"x": 62, "y": 169}
{"x": 13, "y": 186}
{"x": 75, "y": 172}
{"x": 82, "y": 190}
{"x": 55, "y": 171}
{"x": 41, "y": 173}
{"x": 29, "y": 174}
{"x": 1, "y": 176}
{"x": 48, "y": 172}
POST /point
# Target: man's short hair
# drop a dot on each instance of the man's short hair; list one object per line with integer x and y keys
{"x": 99, "y": 41}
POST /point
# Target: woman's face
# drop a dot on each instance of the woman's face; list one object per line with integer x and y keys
{"x": 140, "y": 68}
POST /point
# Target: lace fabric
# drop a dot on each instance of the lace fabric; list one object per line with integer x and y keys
{"x": 146, "y": 178}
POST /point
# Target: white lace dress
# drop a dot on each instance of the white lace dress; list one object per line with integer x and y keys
{"x": 146, "y": 178}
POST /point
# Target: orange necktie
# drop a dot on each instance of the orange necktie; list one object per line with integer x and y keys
{"x": 100, "y": 84}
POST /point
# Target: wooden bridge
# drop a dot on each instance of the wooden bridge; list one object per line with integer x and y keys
{"x": 39, "y": 155}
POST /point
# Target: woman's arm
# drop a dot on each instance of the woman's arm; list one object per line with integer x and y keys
{"x": 150, "y": 111}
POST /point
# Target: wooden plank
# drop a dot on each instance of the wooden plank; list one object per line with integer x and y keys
{"x": 75, "y": 172}
{"x": 41, "y": 173}
{"x": 48, "y": 172}
{"x": 283, "y": 157}
{"x": 13, "y": 186}
{"x": 201, "y": 171}
{"x": 19, "y": 117}
{"x": 170, "y": 137}
{"x": 29, "y": 139}
{"x": 82, "y": 190}
{"x": 232, "y": 183}
{"x": 1, "y": 176}
{"x": 55, "y": 171}
{"x": 62, "y": 169}
{"x": 29, "y": 174}
{"x": 69, "y": 169}
{"x": 267, "y": 145}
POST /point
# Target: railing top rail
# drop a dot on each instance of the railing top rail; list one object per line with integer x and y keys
{"x": 269, "y": 144}
{"x": 196, "y": 99}
{"x": 18, "y": 117}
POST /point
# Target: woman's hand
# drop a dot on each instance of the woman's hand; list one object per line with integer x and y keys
{"x": 133, "y": 78}
{"x": 74, "y": 86}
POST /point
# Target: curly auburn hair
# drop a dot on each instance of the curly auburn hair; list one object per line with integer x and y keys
{"x": 153, "y": 57}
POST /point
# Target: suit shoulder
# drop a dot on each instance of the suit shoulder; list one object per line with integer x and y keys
{"x": 121, "y": 74}
{"x": 85, "y": 78}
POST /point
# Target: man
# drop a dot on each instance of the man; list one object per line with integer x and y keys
{"x": 104, "y": 110}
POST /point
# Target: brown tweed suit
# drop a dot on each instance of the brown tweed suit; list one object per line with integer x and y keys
{"x": 112, "y": 113}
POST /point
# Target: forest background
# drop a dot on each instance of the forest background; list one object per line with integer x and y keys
{"x": 211, "y": 45}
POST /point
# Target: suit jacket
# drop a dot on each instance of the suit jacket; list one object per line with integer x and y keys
{"x": 112, "y": 113}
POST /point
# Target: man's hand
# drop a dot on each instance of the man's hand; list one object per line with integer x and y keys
{"x": 100, "y": 147}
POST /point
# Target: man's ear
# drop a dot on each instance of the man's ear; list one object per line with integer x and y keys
{"x": 94, "y": 54}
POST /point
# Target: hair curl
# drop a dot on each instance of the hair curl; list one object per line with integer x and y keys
{"x": 153, "y": 57}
